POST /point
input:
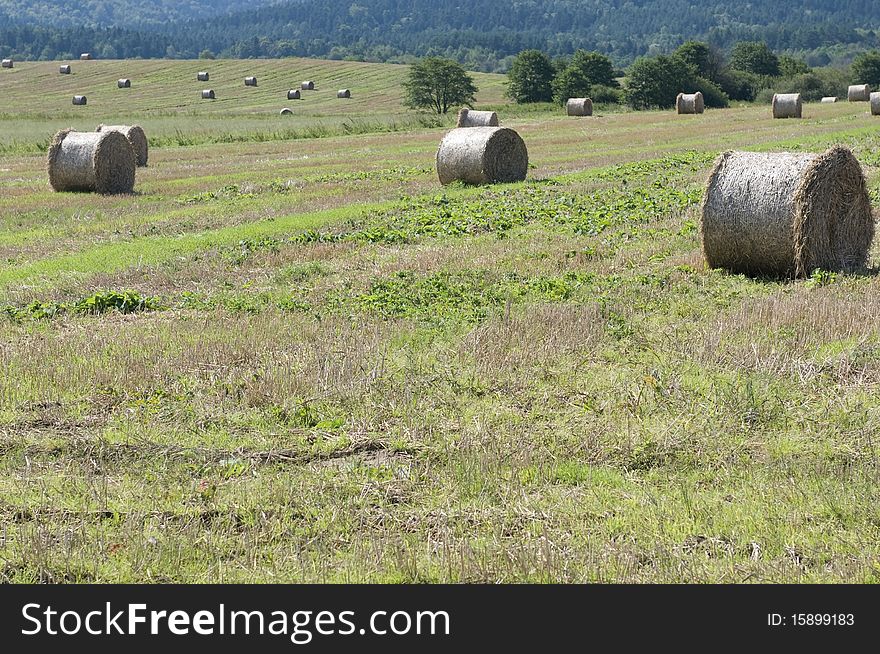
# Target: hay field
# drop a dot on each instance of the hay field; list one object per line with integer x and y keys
{"x": 301, "y": 359}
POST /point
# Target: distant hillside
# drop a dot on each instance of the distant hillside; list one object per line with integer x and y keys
{"x": 484, "y": 35}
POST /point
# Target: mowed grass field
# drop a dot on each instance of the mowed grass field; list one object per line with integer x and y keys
{"x": 291, "y": 358}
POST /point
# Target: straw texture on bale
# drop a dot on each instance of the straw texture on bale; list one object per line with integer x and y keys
{"x": 80, "y": 100}
{"x": 202, "y": 76}
{"x": 85, "y": 56}
{"x": 858, "y": 93}
{"x": 470, "y": 118}
{"x": 579, "y": 107}
{"x": 103, "y": 162}
{"x": 784, "y": 214}
{"x": 307, "y": 86}
{"x": 875, "y": 103}
{"x": 7, "y": 63}
{"x": 208, "y": 94}
{"x": 829, "y": 99}
{"x": 64, "y": 70}
{"x": 787, "y": 105}
{"x": 136, "y": 137}
{"x": 343, "y": 93}
{"x": 123, "y": 83}
{"x": 250, "y": 81}
{"x": 689, "y": 103}
{"x": 482, "y": 155}
{"x": 294, "y": 94}
{"x": 286, "y": 111}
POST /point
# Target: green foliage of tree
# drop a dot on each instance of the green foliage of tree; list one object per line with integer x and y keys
{"x": 754, "y": 57}
{"x": 791, "y": 66}
{"x": 530, "y": 78}
{"x": 866, "y": 69}
{"x": 698, "y": 56}
{"x": 437, "y": 83}
{"x": 585, "y": 70}
{"x": 656, "y": 81}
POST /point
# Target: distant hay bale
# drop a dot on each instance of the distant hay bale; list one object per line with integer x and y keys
{"x": 202, "y": 76}
{"x": 343, "y": 93}
{"x": 482, "y": 155}
{"x": 828, "y": 99}
{"x": 123, "y": 83}
{"x": 787, "y": 105}
{"x": 875, "y": 103}
{"x": 307, "y": 86}
{"x": 470, "y": 118}
{"x": 858, "y": 93}
{"x": 80, "y": 100}
{"x": 689, "y": 103}
{"x": 8, "y": 63}
{"x": 294, "y": 94}
{"x": 286, "y": 111}
{"x": 85, "y": 56}
{"x": 250, "y": 81}
{"x": 64, "y": 70}
{"x": 102, "y": 162}
{"x": 785, "y": 214}
{"x": 136, "y": 137}
{"x": 579, "y": 107}
{"x": 208, "y": 94}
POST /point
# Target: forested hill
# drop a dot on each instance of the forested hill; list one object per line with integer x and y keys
{"x": 481, "y": 34}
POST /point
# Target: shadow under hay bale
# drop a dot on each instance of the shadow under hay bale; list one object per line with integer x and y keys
{"x": 250, "y": 81}
{"x": 294, "y": 94}
{"x": 80, "y": 100}
{"x": 470, "y": 118}
{"x": 828, "y": 99}
{"x": 482, "y": 155}
{"x": 286, "y": 111}
{"x": 858, "y": 93}
{"x": 875, "y": 103}
{"x": 787, "y": 105}
{"x": 208, "y": 94}
{"x": 102, "y": 162}
{"x": 690, "y": 103}
{"x": 202, "y": 76}
{"x": 579, "y": 107}
{"x": 783, "y": 214}
{"x": 7, "y": 63}
{"x": 307, "y": 86}
{"x": 136, "y": 137}
{"x": 64, "y": 70}
{"x": 343, "y": 93}
{"x": 123, "y": 83}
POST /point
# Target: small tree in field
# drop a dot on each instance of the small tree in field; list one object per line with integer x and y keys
{"x": 866, "y": 68}
{"x": 437, "y": 83}
{"x": 531, "y": 77}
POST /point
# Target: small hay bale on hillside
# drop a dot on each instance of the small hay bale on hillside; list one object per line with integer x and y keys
{"x": 102, "y": 162}
{"x": 689, "y": 103}
{"x": 64, "y": 70}
{"x": 858, "y": 93}
{"x": 294, "y": 94}
{"x": 8, "y": 63}
{"x": 124, "y": 83}
{"x": 85, "y": 56}
{"x": 787, "y": 105}
{"x": 482, "y": 155}
{"x": 286, "y": 111}
{"x": 250, "y": 81}
{"x": 875, "y": 103}
{"x": 202, "y": 76}
{"x": 208, "y": 94}
{"x": 785, "y": 214}
{"x": 579, "y": 107}
{"x": 80, "y": 100}
{"x": 828, "y": 99}
{"x": 136, "y": 137}
{"x": 307, "y": 86}
{"x": 470, "y": 118}
{"x": 343, "y": 93}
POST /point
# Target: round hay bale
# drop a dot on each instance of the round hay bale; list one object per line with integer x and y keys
{"x": 689, "y": 103}
{"x": 828, "y": 99}
{"x": 208, "y": 94}
{"x": 136, "y": 137}
{"x": 103, "y": 162}
{"x": 80, "y": 100}
{"x": 875, "y": 103}
{"x": 343, "y": 93}
{"x": 202, "y": 76}
{"x": 307, "y": 86}
{"x": 787, "y": 105}
{"x": 579, "y": 107}
{"x": 286, "y": 111}
{"x": 294, "y": 94}
{"x": 7, "y": 63}
{"x": 123, "y": 83}
{"x": 858, "y": 93}
{"x": 85, "y": 56}
{"x": 64, "y": 70}
{"x": 470, "y": 118}
{"x": 786, "y": 214}
{"x": 482, "y": 155}
{"x": 250, "y": 81}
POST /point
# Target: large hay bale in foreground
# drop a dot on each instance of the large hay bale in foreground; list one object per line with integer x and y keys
{"x": 80, "y": 100}
{"x": 91, "y": 161}
{"x": 875, "y": 103}
{"x": 64, "y": 69}
{"x": 85, "y": 56}
{"x": 470, "y": 118}
{"x": 294, "y": 94}
{"x": 787, "y": 105}
{"x": 689, "y": 103}
{"x": 785, "y": 214}
{"x": 343, "y": 93}
{"x": 579, "y": 107}
{"x": 208, "y": 94}
{"x": 250, "y": 81}
{"x": 136, "y": 137}
{"x": 482, "y": 155}
{"x": 858, "y": 93}
{"x": 828, "y": 99}
{"x": 124, "y": 83}
{"x": 7, "y": 63}
{"x": 307, "y": 86}
{"x": 202, "y": 76}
